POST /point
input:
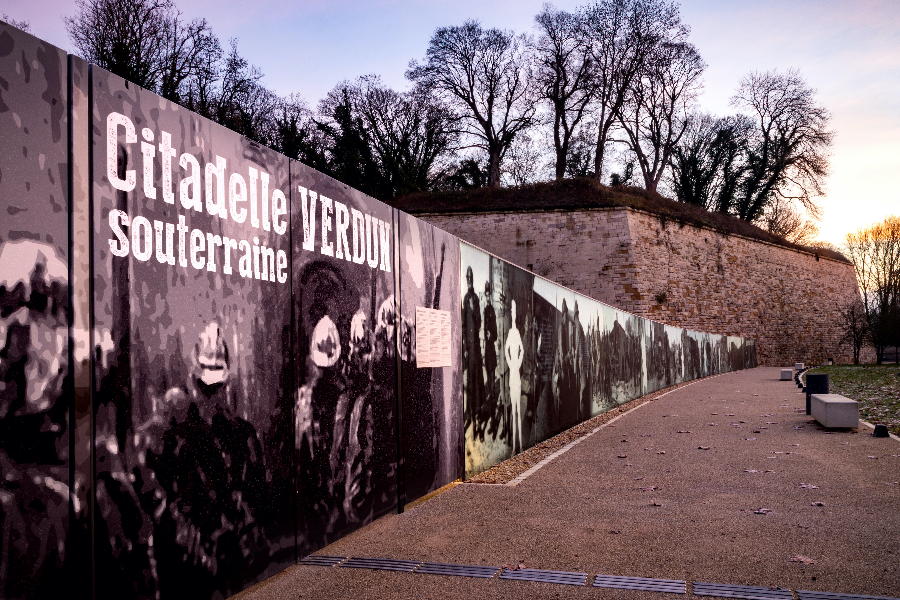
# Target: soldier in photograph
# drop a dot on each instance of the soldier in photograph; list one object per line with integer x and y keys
{"x": 34, "y": 487}
{"x": 473, "y": 364}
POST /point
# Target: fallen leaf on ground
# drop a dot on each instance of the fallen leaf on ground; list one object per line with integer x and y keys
{"x": 749, "y": 439}
{"x": 871, "y": 457}
{"x": 712, "y": 424}
{"x": 798, "y": 426}
{"x": 795, "y": 445}
{"x": 638, "y": 478}
{"x": 762, "y": 511}
{"x": 771, "y": 422}
{"x": 803, "y": 559}
{"x": 623, "y": 456}
{"x": 614, "y": 531}
{"x": 702, "y": 447}
{"x": 818, "y": 504}
{"x": 651, "y": 488}
{"x": 808, "y": 486}
{"x": 769, "y": 471}
{"x": 802, "y": 526}
{"x": 661, "y": 452}
{"x": 714, "y": 414}
{"x": 750, "y": 471}
{"x": 684, "y": 431}
{"x": 655, "y": 504}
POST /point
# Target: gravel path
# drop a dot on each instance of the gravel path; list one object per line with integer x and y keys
{"x": 724, "y": 481}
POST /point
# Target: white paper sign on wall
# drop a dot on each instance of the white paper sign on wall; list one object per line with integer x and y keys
{"x": 433, "y": 339}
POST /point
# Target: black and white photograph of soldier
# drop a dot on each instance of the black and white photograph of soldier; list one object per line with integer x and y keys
{"x": 562, "y": 384}
{"x": 432, "y": 396}
{"x": 345, "y": 327}
{"x": 490, "y": 287}
{"x": 34, "y": 432}
{"x": 735, "y": 347}
{"x": 618, "y": 351}
{"x": 35, "y": 389}
{"x": 193, "y": 403}
{"x": 696, "y": 354}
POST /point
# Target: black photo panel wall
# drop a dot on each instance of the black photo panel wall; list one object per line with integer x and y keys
{"x": 35, "y": 388}
{"x": 432, "y": 401}
{"x": 194, "y": 490}
{"x": 345, "y": 324}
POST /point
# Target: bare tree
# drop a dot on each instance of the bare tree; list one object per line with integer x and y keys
{"x": 853, "y": 322}
{"x": 409, "y": 134}
{"x": 656, "y": 113}
{"x": 23, "y": 25}
{"x": 621, "y": 35}
{"x": 875, "y": 253}
{"x": 240, "y": 101}
{"x": 187, "y": 51}
{"x": 784, "y": 219}
{"x": 144, "y": 41}
{"x": 522, "y": 164}
{"x": 564, "y": 75}
{"x": 789, "y": 147}
{"x": 484, "y": 74}
{"x": 708, "y": 162}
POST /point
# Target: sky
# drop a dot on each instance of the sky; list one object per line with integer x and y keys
{"x": 849, "y": 51}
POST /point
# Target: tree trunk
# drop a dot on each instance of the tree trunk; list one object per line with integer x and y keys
{"x": 560, "y": 162}
{"x": 493, "y": 168}
{"x": 598, "y": 153}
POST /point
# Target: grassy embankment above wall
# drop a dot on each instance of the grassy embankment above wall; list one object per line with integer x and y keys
{"x": 585, "y": 193}
{"x": 875, "y": 387}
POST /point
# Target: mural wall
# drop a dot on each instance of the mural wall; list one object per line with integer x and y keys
{"x": 345, "y": 365}
{"x": 539, "y": 358}
{"x": 35, "y": 389}
{"x": 432, "y": 405}
{"x": 215, "y": 360}
{"x": 193, "y": 405}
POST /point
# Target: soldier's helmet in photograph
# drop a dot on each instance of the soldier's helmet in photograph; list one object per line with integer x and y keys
{"x": 387, "y": 319}
{"x": 34, "y": 300}
{"x": 325, "y": 345}
{"x": 211, "y": 355}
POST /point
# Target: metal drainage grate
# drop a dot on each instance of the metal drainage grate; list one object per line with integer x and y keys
{"x": 672, "y": 586}
{"x": 741, "y": 591}
{"x": 457, "y": 570}
{"x": 323, "y": 561}
{"x": 563, "y": 577}
{"x": 809, "y": 595}
{"x": 382, "y": 564}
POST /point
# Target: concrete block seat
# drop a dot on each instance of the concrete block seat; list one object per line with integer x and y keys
{"x": 798, "y": 366}
{"x": 786, "y": 374}
{"x": 835, "y": 411}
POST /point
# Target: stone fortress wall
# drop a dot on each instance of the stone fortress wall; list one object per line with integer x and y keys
{"x": 679, "y": 274}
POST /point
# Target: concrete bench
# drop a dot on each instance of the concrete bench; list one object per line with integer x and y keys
{"x": 835, "y": 411}
{"x": 798, "y": 366}
{"x": 787, "y": 374}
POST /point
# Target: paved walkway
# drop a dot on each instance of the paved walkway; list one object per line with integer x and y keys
{"x": 668, "y": 491}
